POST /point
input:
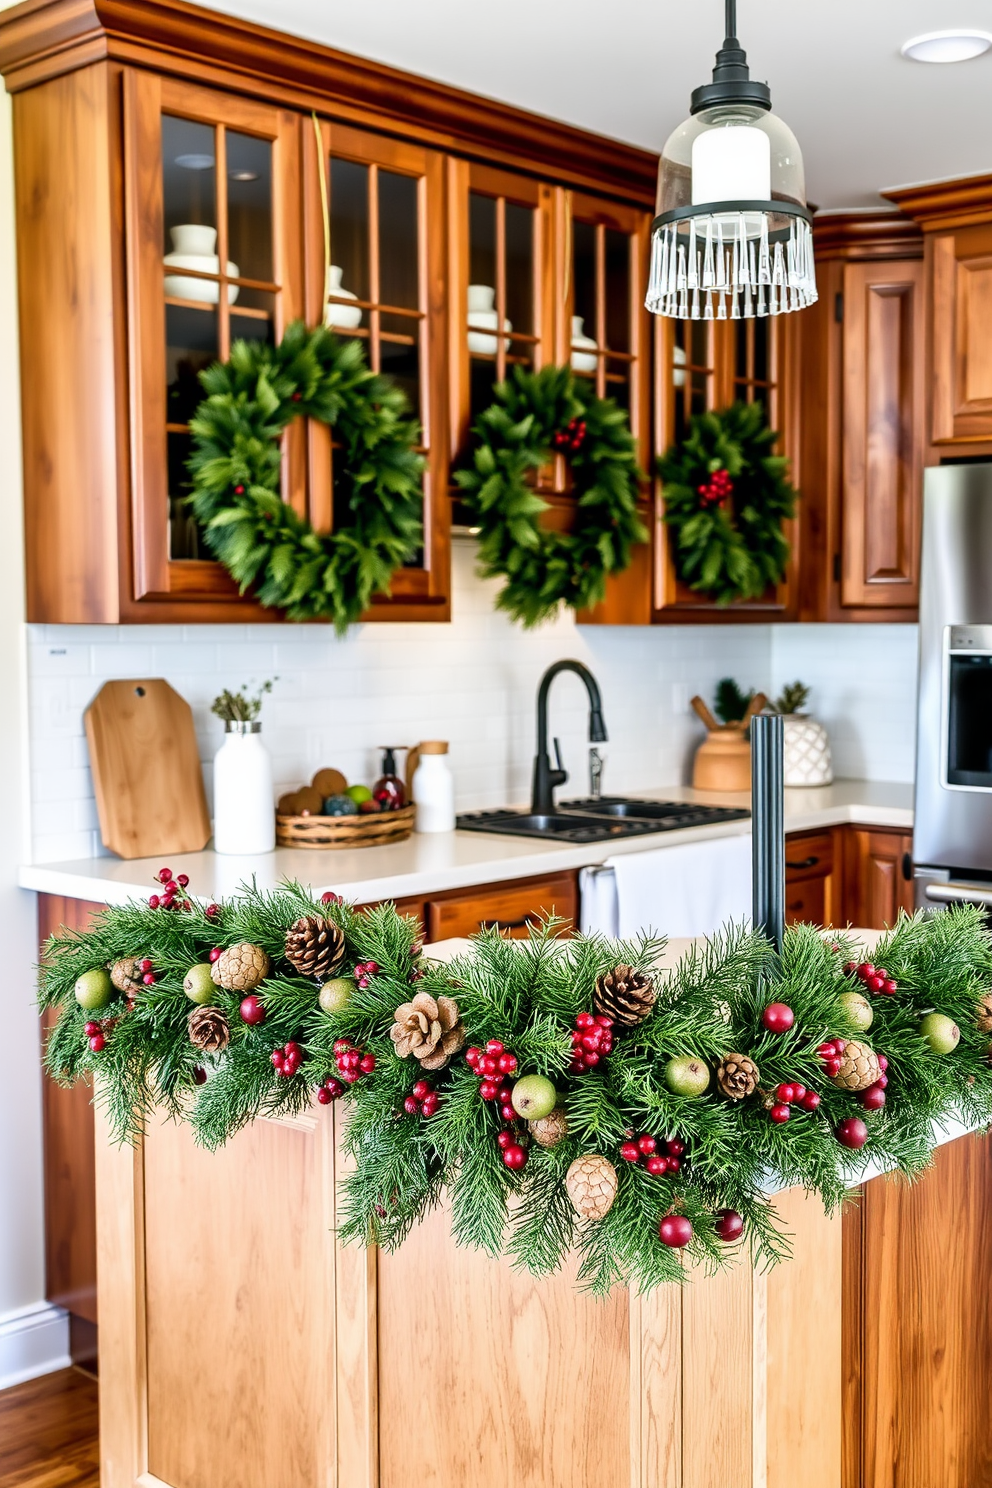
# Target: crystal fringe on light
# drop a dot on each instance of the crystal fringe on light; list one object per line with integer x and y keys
{"x": 711, "y": 269}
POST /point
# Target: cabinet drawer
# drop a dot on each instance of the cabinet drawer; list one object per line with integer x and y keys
{"x": 511, "y": 906}
{"x": 808, "y": 855}
{"x": 810, "y": 883}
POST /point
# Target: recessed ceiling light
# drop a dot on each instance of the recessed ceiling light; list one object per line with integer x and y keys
{"x": 195, "y": 162}
{"x": 243, "y": 175}
{"x": 947, "y": 46}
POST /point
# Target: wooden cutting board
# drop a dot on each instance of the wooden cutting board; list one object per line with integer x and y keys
{"x": 146, "y": 770}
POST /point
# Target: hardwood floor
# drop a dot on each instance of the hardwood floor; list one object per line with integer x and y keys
{"x": 48, "y": 1432}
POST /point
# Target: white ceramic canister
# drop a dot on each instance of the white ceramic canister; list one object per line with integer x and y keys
{"x": 434, "y": 789}
{"x": 341, "y": 317}
{"x": 806, "y": 751}
{"x": 483, "y": 316}
{"x": 193, "y": 247}
{"x": 244, "y": 810}
{"x": 582, "y": 361}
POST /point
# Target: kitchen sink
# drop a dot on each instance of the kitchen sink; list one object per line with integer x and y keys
{"x": 607, "y": 819}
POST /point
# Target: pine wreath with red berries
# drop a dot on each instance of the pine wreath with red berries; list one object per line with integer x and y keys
{"x": 726, "y": 498}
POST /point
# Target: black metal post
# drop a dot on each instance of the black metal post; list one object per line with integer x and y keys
{"x": 768, "y": 826}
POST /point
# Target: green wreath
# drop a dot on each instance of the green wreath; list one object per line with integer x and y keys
{"x": 535, "y": 416}
{"x": 726, "y": 497}
{"x": 235, "y": 468}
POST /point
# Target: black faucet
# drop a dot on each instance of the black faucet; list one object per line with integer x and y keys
{"x": 546, "y": 779}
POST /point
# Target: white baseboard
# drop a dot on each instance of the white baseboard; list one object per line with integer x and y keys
{"x": 34, "y": 1340}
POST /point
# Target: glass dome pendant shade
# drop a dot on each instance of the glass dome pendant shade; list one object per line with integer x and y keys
{"x": 733, "y": 238}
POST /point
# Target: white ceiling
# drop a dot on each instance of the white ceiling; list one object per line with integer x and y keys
{"x": 865, "y": 118}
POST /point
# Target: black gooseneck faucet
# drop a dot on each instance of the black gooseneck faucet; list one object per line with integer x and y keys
{"x": 545, "y": 778}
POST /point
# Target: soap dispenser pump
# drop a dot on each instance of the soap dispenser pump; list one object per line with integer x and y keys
{"x": 389, "y": 789}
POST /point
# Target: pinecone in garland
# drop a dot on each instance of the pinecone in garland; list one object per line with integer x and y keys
{"x": 625, "y": 995}
{"x": 591, "y": 1183}
{"x": 428, "y": 1028}
{"x": 550, "y": 1130}
{"x": 315, "y": 947}
{"x": 737, "y": 1076}
{"x": 241, "y": 967}
{"x": 859, "y": 1067}
{"x": 983, "y": 1012}
{"x": 209, "y": 1029}
{"x": 126, "y": 976}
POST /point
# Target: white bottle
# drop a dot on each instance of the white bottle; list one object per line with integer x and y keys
{"x": 434, "y": 789}
{"x": 244, "y": 813}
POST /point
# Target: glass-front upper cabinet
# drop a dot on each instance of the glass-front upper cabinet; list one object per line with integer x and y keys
{"x": 500, "y": 266}
{"x": 378, "y": 277}
{"x": 213, "y": 231}
{"x": 709, "y": 364}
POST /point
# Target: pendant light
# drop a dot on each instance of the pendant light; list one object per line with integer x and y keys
{"x": 733, "y": 237}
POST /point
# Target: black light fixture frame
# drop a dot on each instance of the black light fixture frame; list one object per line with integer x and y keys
{"x": 731, "y": 76}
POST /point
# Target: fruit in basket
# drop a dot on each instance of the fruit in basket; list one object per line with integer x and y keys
{"x": 309, "y": 802}
{"x": 329, "y": 783}
{"x": 367, "y": 808}
{"x": 359, "y": 793}
{"x": 340, "y": 806}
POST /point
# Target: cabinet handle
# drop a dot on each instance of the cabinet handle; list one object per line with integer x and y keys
{"x": 506, "y": 924}
{"x": 806, "y": 863}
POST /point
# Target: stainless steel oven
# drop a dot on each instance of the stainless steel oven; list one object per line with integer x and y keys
{"x": 952, "y": 834}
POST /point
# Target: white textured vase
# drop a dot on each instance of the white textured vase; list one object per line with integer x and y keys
{"x": 244, "y": 813}
{"x": 194, "y": 247}
{"x": 483, "y": 316}
{"x": 582, "y": 361}
{"x": 806, "y": 750}
{"x": 341, "y": 317}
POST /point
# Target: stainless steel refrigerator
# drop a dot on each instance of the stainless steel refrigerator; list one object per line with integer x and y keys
{"x": 952, "y": 834}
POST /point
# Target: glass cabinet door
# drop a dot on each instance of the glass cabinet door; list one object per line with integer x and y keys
{"x": 209, "y": 190}
{"x": 383, "y": 287}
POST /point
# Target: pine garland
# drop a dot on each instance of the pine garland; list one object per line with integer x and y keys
{"x": 535, "y": 416}
{"x": 526, "y": 997}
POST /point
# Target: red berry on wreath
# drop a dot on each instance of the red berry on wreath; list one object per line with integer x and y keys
{"x": 239, "y": 489}
{"x": 778, "y": 1017}
{"x": 153, "y": 901}
{"x": 779, "y": 1113}
{"x": 647, "y": 1144}
{"x": 146, "y": 965}
{"x": 515, "y": 1156}
{"x": 90, "y": 1029}
{"x": 851, "y": 1132}
{"x": 252, "y": 1009}
{"x": 630, "y": 1152}
{"x": 431, "y": 1103}
{"x": 729, "y": 1224}
{"x": 657, "y": 1165}
{"x": 873, "y": 1099}
{"x": 505, "y": 1139}
{"x": 411, "y": 1106}
{"x": 212, "y": 911}
{"x": 675, "y": 1230}
{"x": 97, "y": 1042}
{"x": 674, "y": 1147}
{"x": 199, "y": 1075}
{"x": 327, "y": 897}
{"x": 810, "y": 1100}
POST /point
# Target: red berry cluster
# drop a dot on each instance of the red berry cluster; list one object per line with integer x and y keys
{"x": 830, "y": 1055}
{"x": 591, "y": 1042}
{"x": 493, "y": 1066}
{"x": 657, "y": 1163}
{"x": 792, "y": 1094}
{"x": 716, "y": 489}
{"x": 287, "y": 1060}
{"x": 873, "y": 1099}
{"x": 171, "y": 890}
{"x": 514, "y": 1153}
{"x": 364, "y": 972}
{"x": 875, "y": 978}
{"x": 331, "y": 1090}
{"x": 570, "y": 440}
{"x": 212, "y": 911}
{"x": 95, "y": 1035}
{"x": 423, "y": 1100}
{"x": 351, "y": 1062}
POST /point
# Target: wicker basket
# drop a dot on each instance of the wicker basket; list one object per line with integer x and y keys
{"x": 345, "y": 831}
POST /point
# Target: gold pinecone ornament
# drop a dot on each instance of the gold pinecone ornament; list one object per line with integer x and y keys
{"x": 625, "y": 995}
{"x": 315, "y": 947}
{"x": 550, "y": 1130}
{"x": 983, "y": 1012}
{"x": 126, "y": 976}
{"x": 429, "y": 1028}
{"x": 591, "y": 1183}
{"x": 859, "y": 1067}
{"x": 737, "y": 1076}
{"x": 209, "y": 1029}
{"x": 241, "y": 967}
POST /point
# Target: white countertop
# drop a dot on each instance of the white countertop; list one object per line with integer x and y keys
{"x": 453, "y": 860}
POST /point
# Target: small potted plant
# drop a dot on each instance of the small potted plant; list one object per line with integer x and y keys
{"x": 244, "y": 820}
{"x": 806, "y": 745}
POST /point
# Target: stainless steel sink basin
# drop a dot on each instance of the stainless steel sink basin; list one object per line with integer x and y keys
{"x": 607, "y": 819}
{"x": 559, "y": 826}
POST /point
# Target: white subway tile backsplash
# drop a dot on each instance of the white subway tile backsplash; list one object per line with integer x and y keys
{"x": 473, "y": 682}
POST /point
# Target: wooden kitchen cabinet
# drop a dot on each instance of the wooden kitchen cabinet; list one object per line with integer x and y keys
{"x": 863, "y": 421}
{"x": 812, "y": 878}
{"x": 878, "y": 876}
{"x": 512, "y": 907}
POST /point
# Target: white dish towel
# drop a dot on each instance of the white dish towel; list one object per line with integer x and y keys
{"x": 690, "y": 888}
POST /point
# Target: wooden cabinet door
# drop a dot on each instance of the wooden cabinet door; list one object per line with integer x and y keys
{"x": 386, "y": 242}
{"x": 216, "y": 175}
{"x": 883, "y": 433}
{"x": 701, "y": 365}
{"x": 512, "y": 907}
{"x": 812, "y": 879}
{"x": 878, "y": 876}
{"x": 961, "y": 309}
